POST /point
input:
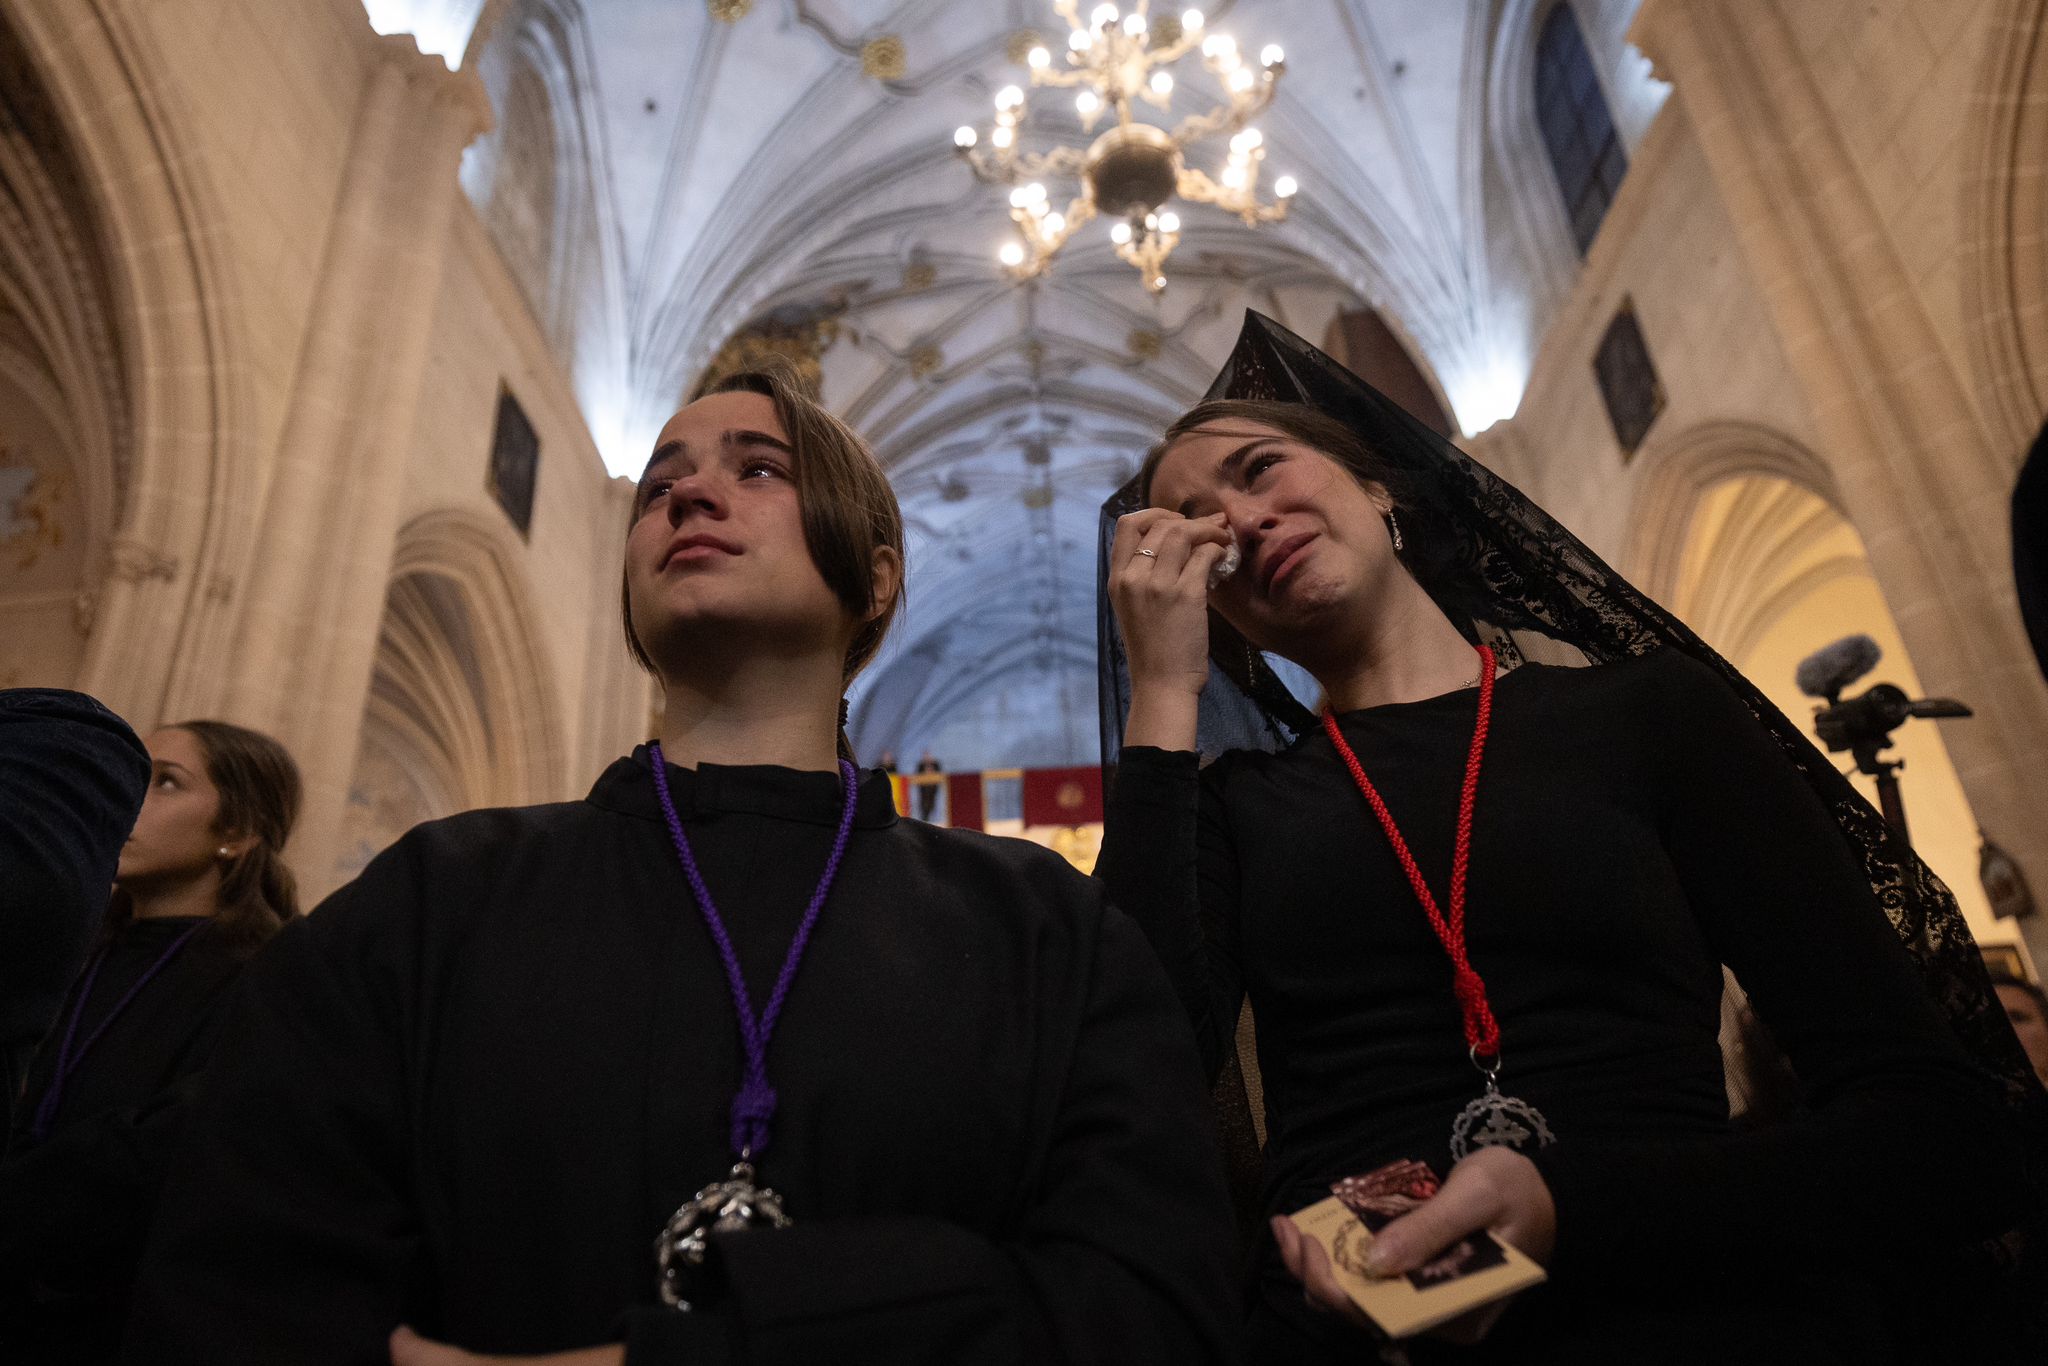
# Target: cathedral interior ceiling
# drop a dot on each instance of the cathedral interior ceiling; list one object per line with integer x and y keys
{"x": 785, "y": 171}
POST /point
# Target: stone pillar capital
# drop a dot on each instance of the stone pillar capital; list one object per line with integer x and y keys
{"x": 453, "y": 101}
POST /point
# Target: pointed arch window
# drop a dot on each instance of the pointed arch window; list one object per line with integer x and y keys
{"x": 1578, "y": 129}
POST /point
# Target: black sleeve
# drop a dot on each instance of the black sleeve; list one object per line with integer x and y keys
{"x": 1168, "y": 861}
{"x": 1905, "y": 1145}
{"x": 72, "y": 777}
{"x": 289, "y": 1211}
{"x": 1124, "y": 1257}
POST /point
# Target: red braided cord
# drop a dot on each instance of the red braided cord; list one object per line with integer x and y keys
{"x": 1482, "y": 1031}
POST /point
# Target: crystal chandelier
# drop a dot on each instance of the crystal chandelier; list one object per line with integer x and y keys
{"x": 1132, "y": 171}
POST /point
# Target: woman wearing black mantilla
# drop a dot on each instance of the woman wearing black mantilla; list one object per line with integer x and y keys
{"x": 1619, "y": 831}
{"x": 725, "y": 1062}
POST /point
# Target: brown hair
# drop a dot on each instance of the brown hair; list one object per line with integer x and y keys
{"x": 1309, "y": 425}
{"x": 848, "y": 508}
{"x": 259, "y": 791}
{"x": 1439, "y": 553}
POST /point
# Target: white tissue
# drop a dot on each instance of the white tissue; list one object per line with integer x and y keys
{"x": 1226, "y": 566}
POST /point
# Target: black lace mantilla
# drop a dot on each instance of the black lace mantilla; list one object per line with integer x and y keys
{"x": 1509, "y": 573}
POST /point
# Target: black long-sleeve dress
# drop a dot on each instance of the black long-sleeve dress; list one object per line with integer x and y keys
{"x": 468, "y": 1091}
{"x": 75, "y": 1205}
{"x": 1635, "y": 830}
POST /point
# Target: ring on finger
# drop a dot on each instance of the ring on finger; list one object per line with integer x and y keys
{"x": 1148, "y": 554}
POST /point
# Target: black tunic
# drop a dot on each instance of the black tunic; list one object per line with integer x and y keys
{"x": 75, "y": 1207}
{"x": 1635, "y": 830}
{"x": 468, "y": 1091}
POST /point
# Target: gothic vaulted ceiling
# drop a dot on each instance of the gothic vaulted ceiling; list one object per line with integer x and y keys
{"x": 668, "y": 174}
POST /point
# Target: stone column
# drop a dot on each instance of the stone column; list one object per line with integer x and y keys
{"x": 309, "y": 624}
{"x": 1917, "y": 471}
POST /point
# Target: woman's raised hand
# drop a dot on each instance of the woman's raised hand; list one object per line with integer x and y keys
{"x": 1159, "y": 584}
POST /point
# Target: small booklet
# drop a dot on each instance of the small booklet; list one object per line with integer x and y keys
{"x": 1471, "y": 1272}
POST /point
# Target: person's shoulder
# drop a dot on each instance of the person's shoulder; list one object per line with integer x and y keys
{"x": 1248, "y": 772}
{"x": 998, "y": 855}
{"x": 440, "y": 865}
{"x": 1655, "y": 678}
{"x": 486, "y": 834}
{"x": 1664, "y": 697}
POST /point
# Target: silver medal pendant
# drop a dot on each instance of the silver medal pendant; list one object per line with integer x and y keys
{"x": 685, "y": 1242}
{"x": 1496, "y": 1120}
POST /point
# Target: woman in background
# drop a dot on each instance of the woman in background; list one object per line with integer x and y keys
{"x": 201, "y": 884}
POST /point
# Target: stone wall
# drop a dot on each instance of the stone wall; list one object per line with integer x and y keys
{"x": 1792, "y": 236}
{"x": 320, "y": 330}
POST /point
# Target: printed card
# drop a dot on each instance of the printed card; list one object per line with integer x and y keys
{"x": 1474, "y": 1271}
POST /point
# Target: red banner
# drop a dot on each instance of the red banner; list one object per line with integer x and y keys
{"x": 963, "y": 800}
{"x": 1063, "y": 796}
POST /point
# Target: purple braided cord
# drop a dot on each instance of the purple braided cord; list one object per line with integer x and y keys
{"x": 68, "y": 1059}
{"x": 754, "y": 1106}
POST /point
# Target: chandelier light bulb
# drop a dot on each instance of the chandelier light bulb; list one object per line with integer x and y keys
{"x": 1162, "y": 82}
{"x": 1034, "y": 193}
{"x": 1018, "y": 199}
{"x": 1002, "y": 137}
{"x": 1055, "y": 224}
{"x": 1080, "y": 40}
{"x": 1246, "y": 141}
{"x": 964, "y": 136}
{"x": 1011, "y": 255}
{"x": 1151, "y": 221}
{"x": 1191, "y": 21}
{"x": 1120, "y": 233}
{"x": 1158, "y": 283}
{"x": 1104, "y": 16}
{"x": 1134, "y": 25}
{"x": 1233, "y": 176}
{"x": 1271, "y": 55}
{"x": 1241, "y": 79}
{"x": 1286, "y": 186}
{"x": 1087, "y": 102}
{"x": 1169, "y": 222}
{"x": 1009, "y": 97}
{"x": 1040, "y": 59}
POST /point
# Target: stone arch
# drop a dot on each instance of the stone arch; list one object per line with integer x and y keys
{"x": 1372, "y": 347}
{"x": 157, "y": 594}
{"x": 526, "y": 190}
{"x": 1535, "y": 209}
{"x": 1676, "y": 472}
{"x": 2005, "y": 226}
{"x": 463, "y": 710}
{"x": 540, "y": 178}
{"x": 65, "y": 433}
{"x": 1738, "y": 530}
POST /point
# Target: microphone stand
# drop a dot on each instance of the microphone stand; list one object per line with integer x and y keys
{"x": 1864, "y": 725}
{"x": 1886, "y": 772}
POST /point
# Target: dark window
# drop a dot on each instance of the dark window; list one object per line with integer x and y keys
{"x": 515, "y": 456}
{"x": 1628, "y": 381}
{"x": 1577, "y": 128}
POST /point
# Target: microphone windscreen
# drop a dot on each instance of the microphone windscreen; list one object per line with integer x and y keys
{"x": 1834, "y": 667}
